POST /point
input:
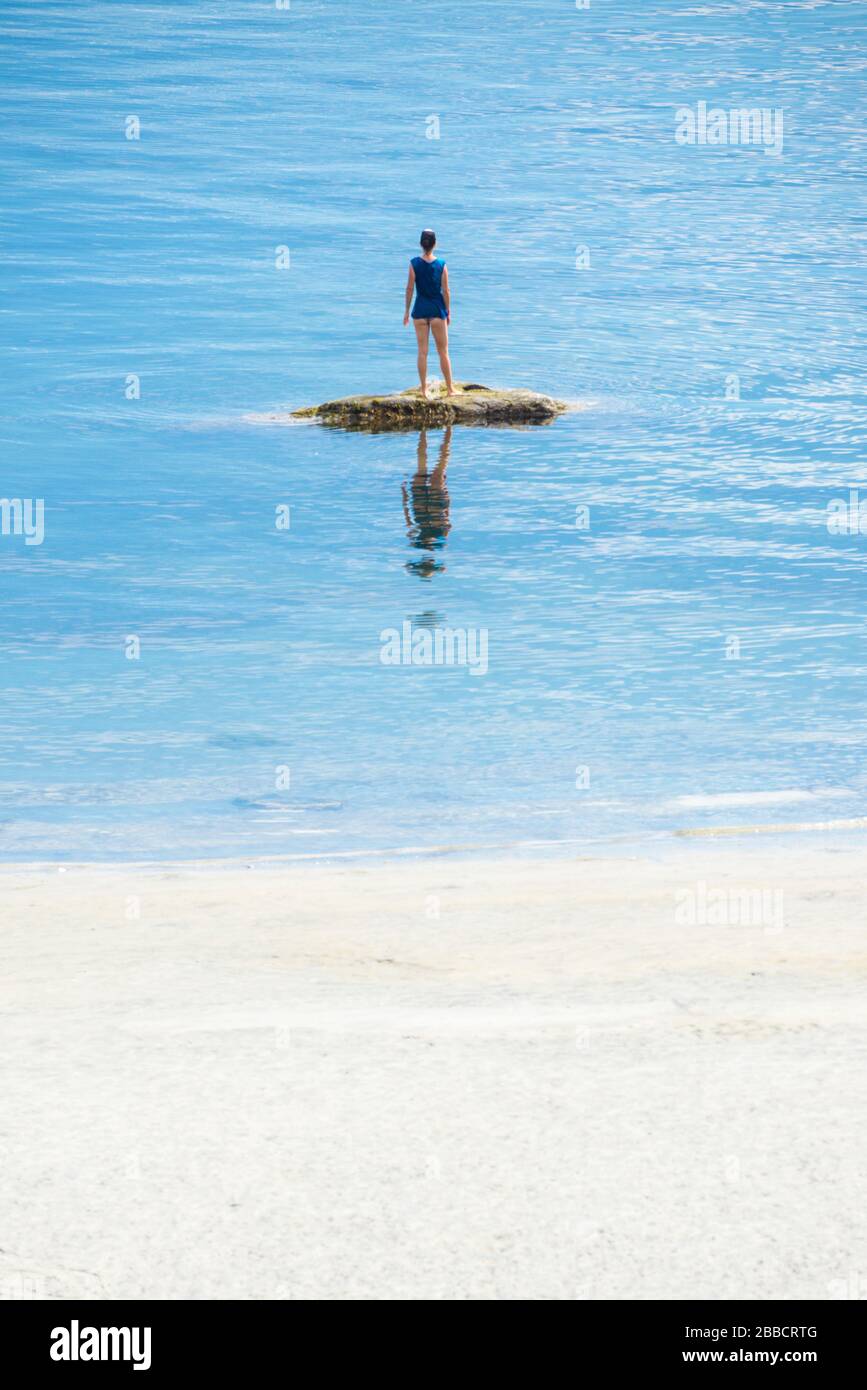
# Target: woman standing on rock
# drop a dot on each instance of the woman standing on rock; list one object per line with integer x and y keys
{"x": 429, "y": 278}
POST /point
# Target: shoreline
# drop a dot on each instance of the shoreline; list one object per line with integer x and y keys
{"x": 630, "y": 844}
{"x": 588, "y": 1078}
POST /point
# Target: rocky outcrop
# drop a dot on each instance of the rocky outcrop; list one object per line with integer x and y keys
{"x": 470, "y": 405}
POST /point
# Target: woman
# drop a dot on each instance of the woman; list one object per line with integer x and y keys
{"x": 429, "y": 278}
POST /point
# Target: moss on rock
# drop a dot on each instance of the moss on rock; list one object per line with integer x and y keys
{"x": 471, "y": 404}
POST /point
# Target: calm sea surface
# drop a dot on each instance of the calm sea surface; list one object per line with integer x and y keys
{"x": 694, "y": 655}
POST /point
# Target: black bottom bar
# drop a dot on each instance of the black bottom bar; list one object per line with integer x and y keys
{"x": 168, "y": 1339}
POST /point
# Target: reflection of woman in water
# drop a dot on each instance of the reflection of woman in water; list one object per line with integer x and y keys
{"x": 431, "y": 312}
{"x": 426, "y": 506}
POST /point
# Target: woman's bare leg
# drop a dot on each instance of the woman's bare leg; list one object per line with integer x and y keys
{"x": 440, "y": 330}
{"x": 422, "y": 333}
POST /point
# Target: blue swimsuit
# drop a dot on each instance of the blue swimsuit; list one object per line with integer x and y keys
{"x": 429, "y": 302}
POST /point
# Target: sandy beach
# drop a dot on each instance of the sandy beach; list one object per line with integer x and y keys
{"x": 594, "y": 1078}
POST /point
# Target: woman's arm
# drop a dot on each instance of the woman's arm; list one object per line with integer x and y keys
{"x": 446, "y": 296}
{"x": 410, "y": 285}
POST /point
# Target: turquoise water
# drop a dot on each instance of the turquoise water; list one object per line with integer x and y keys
{"x": 612, "y": 704}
